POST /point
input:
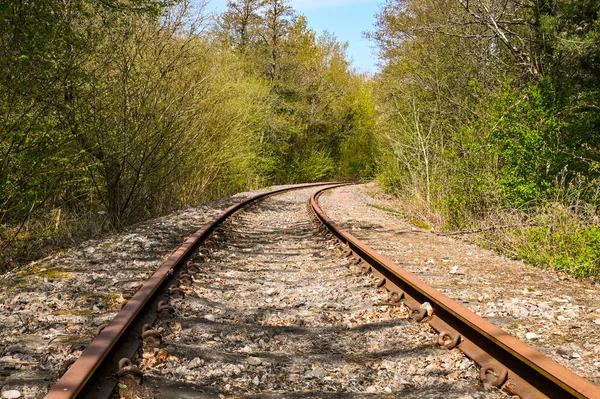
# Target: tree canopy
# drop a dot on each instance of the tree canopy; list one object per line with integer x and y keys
{"x": 116, "y": 111}
{"x": 490, "y": 108}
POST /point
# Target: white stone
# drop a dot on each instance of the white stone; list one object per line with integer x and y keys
{"x": 12, "y": 394}
{"x": 456, "y": 270}
{"x": 388, "y": 365}
{"x": 254, "y": 361}
{"x": 531, "y": 335}
{"x": 195, "y": 363}
{"x": 319, "y": 372}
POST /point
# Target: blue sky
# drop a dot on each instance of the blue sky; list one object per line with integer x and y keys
{"x": 347, "y": 19}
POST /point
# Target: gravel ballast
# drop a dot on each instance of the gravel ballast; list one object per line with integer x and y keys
{"x": 552, "y": 313}
{"x": 276, "y": 311}
{"x": 50, "y": 309}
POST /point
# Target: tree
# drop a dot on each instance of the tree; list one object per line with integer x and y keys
{"x": 113, "y": 111}
{"x": 436, "y": 75}
{"x": 277, "y": 19}
{"x": 514, "y": 24}
{"x": 239, "y": 24}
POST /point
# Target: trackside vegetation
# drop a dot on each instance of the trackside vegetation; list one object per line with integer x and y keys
{"x": 114, "y": 111}
{"x": 489, "y": 117}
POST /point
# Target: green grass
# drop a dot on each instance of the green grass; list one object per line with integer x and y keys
{"x": 576, "y": 252}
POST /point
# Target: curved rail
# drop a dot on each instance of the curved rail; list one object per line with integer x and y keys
{"x": 505, "y": 361}
{"x": 75, "y": 380}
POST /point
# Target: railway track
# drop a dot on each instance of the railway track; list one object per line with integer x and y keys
{"x": 264, "y": 302}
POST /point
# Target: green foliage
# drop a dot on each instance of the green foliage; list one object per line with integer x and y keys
{"x": 315, "y": 166}
{"x": 322, "y": 111}
{"x": 576, "y": 252}
{"x": 479, "y": 120}
{"x": 358, "y": 148}
{"x": 530, "y": 145}
{"x": 558, "y": 237}
{"x": 112, "y": 112}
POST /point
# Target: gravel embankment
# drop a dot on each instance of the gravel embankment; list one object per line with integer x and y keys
{"x": 49, "y": 309}
{"x": 554, "y": 314}
{"x": 275, "y": 311}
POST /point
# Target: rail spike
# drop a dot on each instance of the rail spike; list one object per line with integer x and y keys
{"x": 493, "y": 375}
{"x": 165, "y": 310}
{"x": 395, "y": 297}
{"x": 150, "y": 336}
{"x": 176, "y": 293}
{"x": 449, "y": 340}
{"x": 128, "y": 370}
{"x": 419, "y": 315}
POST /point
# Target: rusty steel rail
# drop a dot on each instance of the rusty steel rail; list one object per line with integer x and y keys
{"x": 76, "y": 379}
{"x": 505, "y": 361}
